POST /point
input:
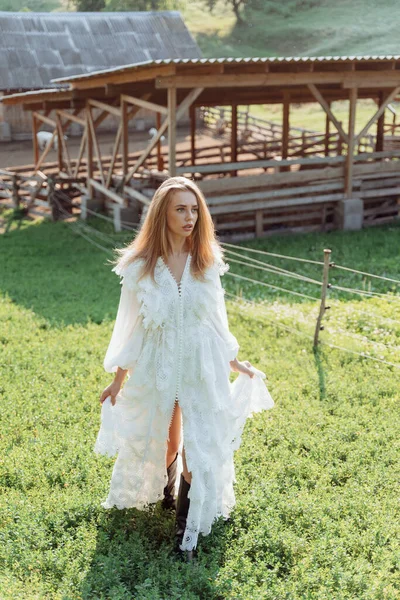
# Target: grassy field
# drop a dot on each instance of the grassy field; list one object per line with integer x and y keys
{"x": 317, "y": 514}
{"x": 296, "y": 28}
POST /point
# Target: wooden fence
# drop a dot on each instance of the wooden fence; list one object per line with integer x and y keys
{"x": 35, "y": 193}
{"x": 302, "y": 142}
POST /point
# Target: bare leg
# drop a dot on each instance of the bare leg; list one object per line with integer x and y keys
{"x": 174, "y": 435}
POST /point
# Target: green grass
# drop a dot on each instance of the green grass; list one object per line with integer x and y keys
{"x": 317, "y": 477}
{"x": 296, "y": 28}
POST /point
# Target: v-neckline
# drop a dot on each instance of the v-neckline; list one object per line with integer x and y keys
{"x": 172, "y": 275}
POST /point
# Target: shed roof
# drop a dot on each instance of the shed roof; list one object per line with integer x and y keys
{"x": 288, "y": 61}
{"x": 38, "y": 47}
{"x": 227, "y": 80}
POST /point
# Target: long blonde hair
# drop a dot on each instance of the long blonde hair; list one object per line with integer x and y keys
{"x": 152, "y": 240}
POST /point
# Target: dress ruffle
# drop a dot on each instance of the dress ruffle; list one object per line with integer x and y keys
{"x": 132, "y": 426}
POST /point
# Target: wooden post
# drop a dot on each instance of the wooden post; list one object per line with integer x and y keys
{"x": 348, "y": 189}
{"x": 125, "y": 139}
{"x": 285, "y": 128}
{"x": 322, "y": 308}
{"x": 34, "y": 139}
{"x": 172, "y": 131}
{"x": 339, "y": 143}
{"x": 192, "y": 112}
{"x": 60, "y": 134}
{"x": 259, "y": 217}
{"x": 15, "y": 191}
{"x": 380, "y": 127}
{"x": 89, "y": 152}
{"x": 327, "y": 131}
{"x": 234, "y": 140}
{"x": 50, "y": 198}
{"x": 160, "y": 161}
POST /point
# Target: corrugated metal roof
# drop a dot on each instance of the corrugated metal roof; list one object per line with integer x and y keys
{"x": 38, "y": 47}
{"x": 230, "y": 61}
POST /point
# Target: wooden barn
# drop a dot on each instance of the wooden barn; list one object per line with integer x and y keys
{"x": 257, "y": 181}
{"x": 38, "y": 47}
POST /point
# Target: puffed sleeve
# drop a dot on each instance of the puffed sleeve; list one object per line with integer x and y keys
{"x": 219, "y": 315}
{"x": 127, "y": 336}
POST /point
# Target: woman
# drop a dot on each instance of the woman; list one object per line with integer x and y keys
{"x": 171, "y": 337}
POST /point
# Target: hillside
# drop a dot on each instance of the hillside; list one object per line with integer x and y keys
{"x": 292, "y": 28}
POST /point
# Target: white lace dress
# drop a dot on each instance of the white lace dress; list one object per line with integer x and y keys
{"x": 176, "y": 344}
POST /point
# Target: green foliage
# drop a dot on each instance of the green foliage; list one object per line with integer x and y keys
{"x": 89, "y": 5}
{"x": 317, "y": 514}
{"x": 236, "y": 6}
{"x": 282, "y": 9}
{"x": 29, "y": 5}
{"x": 142, "y": 5}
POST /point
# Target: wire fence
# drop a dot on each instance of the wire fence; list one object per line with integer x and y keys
{"x": 101, "y": 241}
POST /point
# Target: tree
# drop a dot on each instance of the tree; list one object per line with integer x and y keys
{"x": 89, "y": 5}
{"x": 236, "y": 6}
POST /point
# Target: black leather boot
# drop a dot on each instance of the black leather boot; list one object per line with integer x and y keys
{"x": 182, "y": 509}
{"x": 169, "y": 501}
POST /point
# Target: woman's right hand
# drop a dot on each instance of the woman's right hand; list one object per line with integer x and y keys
{"x": 111, "y": 390}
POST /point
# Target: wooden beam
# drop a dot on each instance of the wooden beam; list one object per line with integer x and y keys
{"x": 268, "y": 204}
{"x": 343, "y": 78}
{"x": 95, "y": 143}
{"x": 380, "y": 129}
{"x": 89, "y": 153}
{"x": 172, "y": 131}
{"x": 349, "y": 165}
{"x": 246, "y": 80}
{"x": 378, "y": 113}
{"x": 184, "y": 105}
{"x": 144, "y": 104}
{"x": 253, "y": 164}
{"x": 117, "y": 143}
{"x": 318, "y": 96}
{"x": 133, "y": 111}
{"x": 71, "y": 117}
{"x": 136, "y": 195}
{"x": 80, "y": 153}
{"x": 46, "y": 120}
{"x": 192, "y": 114}
{"x": 285, "y": 128}
{"x": 371, "y": 79}
{"x": 102, "y": 188}
{"x": 106, "y": 107}
{"x": 160, "y": 160}
{"x": 124, "y": 136}
{"x": 35, "y": 142}
{"x": 234, "y": 137}
{"x": 61, "y": 144}
{"x": 327, "y": 132}
{"x": 60, "y": 147}
{"x": 124, "y": 76}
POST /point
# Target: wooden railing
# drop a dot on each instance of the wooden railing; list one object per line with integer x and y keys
{"x": 302, "y": 142}
{"x": 35, "y": 193}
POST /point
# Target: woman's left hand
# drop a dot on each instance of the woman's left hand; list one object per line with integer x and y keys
{"x": 241, "y": 367}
